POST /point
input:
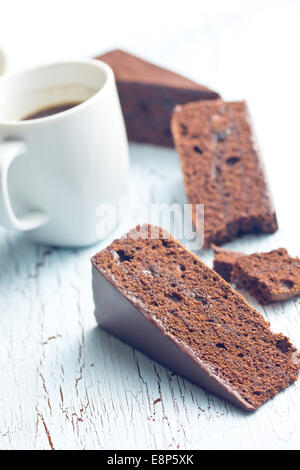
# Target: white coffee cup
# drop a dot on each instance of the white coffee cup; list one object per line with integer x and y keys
{"x": 68, "y": 163}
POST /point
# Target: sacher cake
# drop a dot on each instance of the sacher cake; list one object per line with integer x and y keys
{"x": 222, "y": 169}
{"x": 148, "y": 94}
{"x": 154, "y": 294}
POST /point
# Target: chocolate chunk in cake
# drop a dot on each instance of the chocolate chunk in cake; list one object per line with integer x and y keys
{"x": 148, "y": 94}
{"x": 224, "y": 261}
{"x": 269, "y": 277}
{"x": 154, "y": 294}
{"x": 222, "y": 169}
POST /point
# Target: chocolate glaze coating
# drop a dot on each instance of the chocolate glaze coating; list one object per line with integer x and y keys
{"x": 118, "y": 316}
{"x": 148, "y": 94}
{"x": 159, "y": 297}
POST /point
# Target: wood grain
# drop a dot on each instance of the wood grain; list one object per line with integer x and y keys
{"x": 65, "y": 384}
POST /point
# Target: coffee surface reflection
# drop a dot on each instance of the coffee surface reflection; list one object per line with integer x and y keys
{"x": 49, "y": 111}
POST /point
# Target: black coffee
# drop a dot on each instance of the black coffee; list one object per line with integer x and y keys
{"x": 49, "y": 111}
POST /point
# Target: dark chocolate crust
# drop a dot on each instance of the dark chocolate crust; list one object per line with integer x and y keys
{"x": 269, "y": 277}
{"x": 159, "y": 297}
{"x": 148, "y": 95}
{"x": 222, "y": 169}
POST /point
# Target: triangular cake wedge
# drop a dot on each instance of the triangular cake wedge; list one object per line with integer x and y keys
{"x": 155, "y": 295}
{"x": 148, "y": 95}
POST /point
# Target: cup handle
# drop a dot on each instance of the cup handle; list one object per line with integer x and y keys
{"x": 9, "y": 150}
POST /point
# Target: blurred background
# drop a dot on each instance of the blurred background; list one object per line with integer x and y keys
{"x": 244, "y": 49}
{"x": 225, "y": 44}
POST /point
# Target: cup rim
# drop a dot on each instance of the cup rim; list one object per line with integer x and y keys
{"x": 93, "y": 62}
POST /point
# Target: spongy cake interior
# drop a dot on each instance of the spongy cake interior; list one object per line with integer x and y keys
{"x": 222, "y": 168}
{"x": 271, "y": 276}
{"x": 196, "y": 307}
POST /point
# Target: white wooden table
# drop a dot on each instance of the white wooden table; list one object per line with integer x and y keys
{"x": 65, "y": 384}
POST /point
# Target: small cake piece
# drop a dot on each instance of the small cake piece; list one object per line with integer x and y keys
{"x": 269, "y": 277}
{"x": 151, "y": 292}
{"x": 224, "y": 261}
{"x": 148, "y": 94}
{"x": 222, "y": 169}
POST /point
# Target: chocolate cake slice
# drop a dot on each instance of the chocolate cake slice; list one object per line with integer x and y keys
{"x": 222, "y": 169}
{"x": 157, "y": 296}
{"x": 270, "y": 277}
{"x": 224, "y": 261}
{"x": 148, "y": 94}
